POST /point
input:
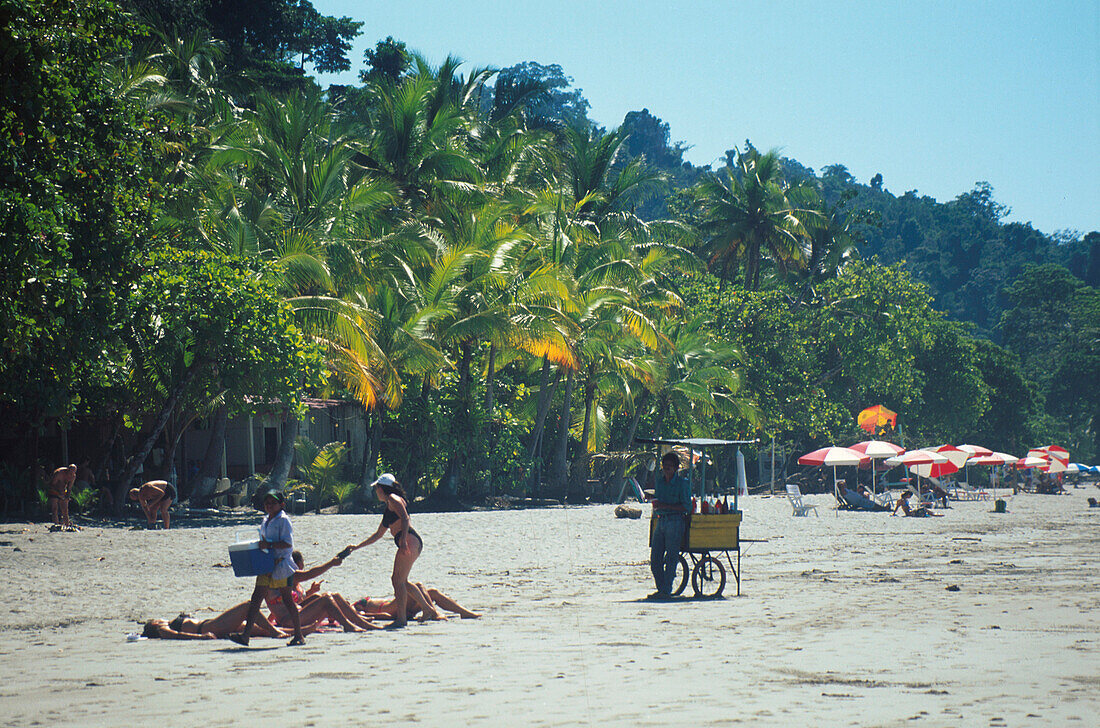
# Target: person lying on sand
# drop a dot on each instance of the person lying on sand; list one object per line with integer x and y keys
{"x": 420, "y": 597}
{"x": 903, "y": 504}
{"x": 314, "y": 606}
{"x": 221, "y": 626}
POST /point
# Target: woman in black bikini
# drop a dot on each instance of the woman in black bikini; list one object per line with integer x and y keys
{"x": 395, "y": 519}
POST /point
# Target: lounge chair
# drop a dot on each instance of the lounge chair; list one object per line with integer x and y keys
{"x": 794, "y": 495}
{"x": 850, "y": 500}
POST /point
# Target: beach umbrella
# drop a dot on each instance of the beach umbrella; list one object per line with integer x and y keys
{"x": 916, "y": 457}
{"x": 1050, "y": 452}
{"x": 832, "y": 456}
{"x": 877, "y": 450}
{"x": 934, "y": 470}
{"x": 1030, "y": 462}
{"x": 872, "y": 418}
{"x": 1054, "y": 466}
{"x": 995, "y": 458}
{"x": 976, "y": 450}
{"x": 919, "y": 458}
{"x": 955, "y": 455}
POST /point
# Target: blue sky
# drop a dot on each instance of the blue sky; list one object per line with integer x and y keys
{"x": 936, "y": 96}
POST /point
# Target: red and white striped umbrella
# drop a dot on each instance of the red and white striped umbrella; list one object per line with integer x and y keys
{"x": 955, "y": 455}
{"x": 832, "y": 456}
{"x": 976, "y": 450}
{"x": 877, "y": 449}
{"x": 916, "y": 457}
{"x": 1030, "y": 462}
{"x": 996, "y": 458}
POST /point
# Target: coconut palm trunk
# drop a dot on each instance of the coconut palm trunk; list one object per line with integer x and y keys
{"x": 561, "y": 455}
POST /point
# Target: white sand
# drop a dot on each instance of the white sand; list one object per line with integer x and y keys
{"x": 843, "y": 620}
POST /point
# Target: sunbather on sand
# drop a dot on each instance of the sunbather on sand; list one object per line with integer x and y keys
{"x": 903, "y": 505}
{"x": 425, "y": 601}
{"x": 229, "y": 621}
{"x": 312, "y": 605}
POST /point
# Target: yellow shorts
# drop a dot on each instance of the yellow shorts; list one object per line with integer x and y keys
{"x": 269, "y": 582}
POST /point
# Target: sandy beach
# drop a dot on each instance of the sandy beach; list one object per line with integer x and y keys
{"x": 844, "y": 619}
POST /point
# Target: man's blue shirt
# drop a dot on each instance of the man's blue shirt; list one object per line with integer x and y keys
{"x": 677, "y": 490}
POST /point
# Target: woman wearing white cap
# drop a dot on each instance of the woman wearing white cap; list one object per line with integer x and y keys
{"x": 395, "y": 519}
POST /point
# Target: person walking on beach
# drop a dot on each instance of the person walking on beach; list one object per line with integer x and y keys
{"x": 155, "y": 497}
{"x": 275, "y": 533}
{"x": 58, "y": 490}
{"x": 395, "y": 519}
{"x": 671, "y": 504}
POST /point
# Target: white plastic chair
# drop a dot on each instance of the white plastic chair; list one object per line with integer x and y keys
{"x": 794, "y": 495}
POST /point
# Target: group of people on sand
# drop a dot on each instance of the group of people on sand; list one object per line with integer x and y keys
{"x": 155, "y": 497}
{"x": 293, "y": 611}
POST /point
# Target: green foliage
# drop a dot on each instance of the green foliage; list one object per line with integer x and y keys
{"x": 387, "y": 61}
{"x": 458, "y": 256}
{"x": 76, "y": 205}
{"x": 321, "y": 470}
{"x": 198, "y": 310}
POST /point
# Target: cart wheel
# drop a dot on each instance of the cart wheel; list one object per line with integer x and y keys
{"x": 680, "y": 581}
{"x": 709, "y": 577}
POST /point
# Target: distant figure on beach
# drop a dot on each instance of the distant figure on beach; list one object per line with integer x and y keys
{"x": 226, "y": 623}
{"x": 58, "y": 490}
{"x": 903, "y": 505}
{"x": 671, "y": 504}
{"x": 275, "y": 533}
{"x": 409, "y": 544}
{"x": 312, "y": 605}
{"x": 155, "y": 498}
{"x": 421, "y": 596}
{"x": 1093, "y": 503}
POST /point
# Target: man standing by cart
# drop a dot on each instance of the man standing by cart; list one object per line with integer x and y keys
{"x": 671, "y": 505}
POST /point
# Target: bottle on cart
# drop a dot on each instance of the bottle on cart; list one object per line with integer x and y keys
{"x": 705, "y": 508}
{"x": 693, "y": 505}
{"x": 725, "y": 504}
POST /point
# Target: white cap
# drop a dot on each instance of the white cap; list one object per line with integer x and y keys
{"x": 384, "y": 479}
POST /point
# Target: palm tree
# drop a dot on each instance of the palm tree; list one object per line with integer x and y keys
{"x": 748, "y": 212}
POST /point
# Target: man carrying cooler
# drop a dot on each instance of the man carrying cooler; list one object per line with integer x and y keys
{"x": 671, "y": 504}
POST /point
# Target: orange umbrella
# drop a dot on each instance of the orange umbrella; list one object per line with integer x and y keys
{"x": 872, "y": 418}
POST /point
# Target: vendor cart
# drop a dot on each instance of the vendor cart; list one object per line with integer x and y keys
{"x": 709, "y": 535}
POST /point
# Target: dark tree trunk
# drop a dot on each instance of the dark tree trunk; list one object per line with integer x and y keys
{"x": 546, "y": 396}
{"x": 561, "y": 456}
{"x": 486, "y": 457}
{"x": 457, "y": 462}
{"x": 578, "y": 482}
{"x": 628, "y": 441}
{"x": 284, "y": 457}
{"x": 369, "y": 471}
{"x": 206, "y": 481}
{"x": 123, "y": 485}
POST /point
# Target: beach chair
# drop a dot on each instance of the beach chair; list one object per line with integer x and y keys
{"x": 794, "y": 495}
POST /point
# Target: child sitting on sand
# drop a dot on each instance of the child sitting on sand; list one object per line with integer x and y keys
{"x": 275, "y": 533}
